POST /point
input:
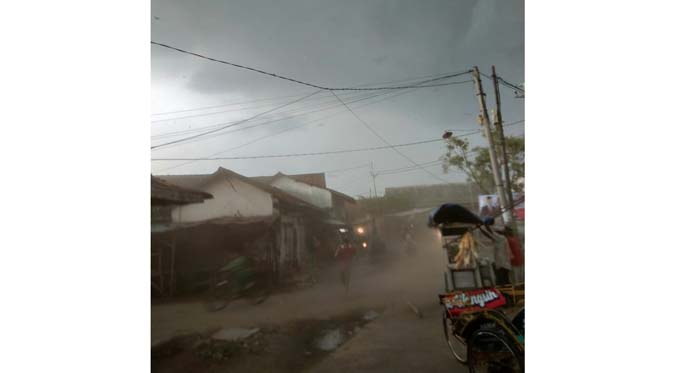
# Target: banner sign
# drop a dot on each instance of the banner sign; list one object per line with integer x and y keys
{"x": 472, "y": 301}
{"x": 489, "y": 206}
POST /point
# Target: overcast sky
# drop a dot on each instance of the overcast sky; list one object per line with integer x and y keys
{"x": 329, "y": 43}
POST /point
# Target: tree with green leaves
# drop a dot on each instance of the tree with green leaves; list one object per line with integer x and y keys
{"x": 477, "y": 161}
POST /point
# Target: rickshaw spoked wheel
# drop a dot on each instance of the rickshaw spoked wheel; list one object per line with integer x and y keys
{"x": 490, "y": 349}
{"x": 456, "y": 344}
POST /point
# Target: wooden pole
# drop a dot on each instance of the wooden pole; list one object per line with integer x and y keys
{"x": 501, "y": 139}
{"x": 495, "y": 166}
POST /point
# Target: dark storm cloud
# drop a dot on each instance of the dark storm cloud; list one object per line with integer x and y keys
{"x": 340, "y": 43}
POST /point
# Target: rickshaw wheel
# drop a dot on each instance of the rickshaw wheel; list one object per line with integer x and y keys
{"x": 456, "y": 344}
{"x": 493, "y": 350}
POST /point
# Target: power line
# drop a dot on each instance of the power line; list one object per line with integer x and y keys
{"x": 223, "y": 105}
{"x": 231, "y": 110}
{"x": 510, "y": 85}
{"x": 293, "y": 128}
{"x": 436, "y": 161}
{"x": 233, "y": 124}
{"x": 300, "y": 154}
{"x": 270, "y": 104}
{"x": 327, "y": 105}
{"x": 322, "y": 106}
{"x": 333, "y": 107}
{"x": 505, "y": 83}
{"x": 365, "y": 165}
{"x": 297, "y": 95}
{"x": 292, "y": 79}
{"x": 407, "y": 168}
{"x": 270, "y": 121}
{"x": 191, "y": 160}
{"x": 281, "y": 119}
{"x": 314, "y": 153}
{"x": 298, "y": 111}
{"x": 385, "y": 141}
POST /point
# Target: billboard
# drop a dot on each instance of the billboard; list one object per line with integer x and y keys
{"x": 489, "y": 206}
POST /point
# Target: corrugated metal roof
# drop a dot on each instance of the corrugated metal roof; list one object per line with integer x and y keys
{"x": 165, "y": 191}
{"x": 315, "y": 179}
{"x": 201, "y": 180}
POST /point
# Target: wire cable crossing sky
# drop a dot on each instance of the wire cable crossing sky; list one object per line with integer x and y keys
{"x": 299, "y": 81}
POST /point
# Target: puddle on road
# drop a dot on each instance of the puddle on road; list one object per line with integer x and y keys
{"x": 330, "y": 340}
{"x": 290, "y": 347}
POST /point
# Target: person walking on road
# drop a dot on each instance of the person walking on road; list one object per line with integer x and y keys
{"x": 344, "y": 254}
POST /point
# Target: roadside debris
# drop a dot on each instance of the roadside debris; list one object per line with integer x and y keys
{"x": 415, "y": 310}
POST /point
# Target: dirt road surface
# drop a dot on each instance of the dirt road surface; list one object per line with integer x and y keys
{"x": 397, "y": 341}
{"x": 417, "y": 279}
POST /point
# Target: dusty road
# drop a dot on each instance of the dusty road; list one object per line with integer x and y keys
{"x": 417, "y": 279}
{"x": 396, "y": 341}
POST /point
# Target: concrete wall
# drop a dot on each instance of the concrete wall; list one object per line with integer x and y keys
{"x": 318, "y": 197}
{"x": 232, "y": 198}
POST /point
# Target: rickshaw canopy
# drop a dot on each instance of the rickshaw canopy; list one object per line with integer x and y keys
{"x": 452, "y": 213}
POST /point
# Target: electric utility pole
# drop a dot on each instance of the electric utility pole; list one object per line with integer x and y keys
{"x": 501, "y": 134}
{"x": 495, "y": 166}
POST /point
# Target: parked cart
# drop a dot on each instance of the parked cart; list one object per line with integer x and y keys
{"x": 483, "y": 325}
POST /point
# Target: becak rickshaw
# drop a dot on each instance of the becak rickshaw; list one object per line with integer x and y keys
{"x": 483, "y": 324}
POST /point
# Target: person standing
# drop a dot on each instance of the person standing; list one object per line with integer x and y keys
{"x": 503, "y": 264}
{"x": 485, "y": 240}
{"x": 516, "y": 256}
{"x": 344, "y": 254}
{"x": 485, "y": 243}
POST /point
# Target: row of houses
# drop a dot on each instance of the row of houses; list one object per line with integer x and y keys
{"x": 198, "y": 222}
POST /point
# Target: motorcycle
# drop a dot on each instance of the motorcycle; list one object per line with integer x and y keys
{"x": 237, "y": 279}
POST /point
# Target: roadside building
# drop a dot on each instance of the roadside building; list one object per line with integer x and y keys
{"x": 163, "y": 198}
{"x": 245, "y": 217}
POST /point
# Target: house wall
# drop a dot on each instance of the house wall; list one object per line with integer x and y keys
{"x": 232, "y": 198}
{"x": 293, "y": 250}
{"x": 318, "y": 197}
{"x": 291, "y": 244}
